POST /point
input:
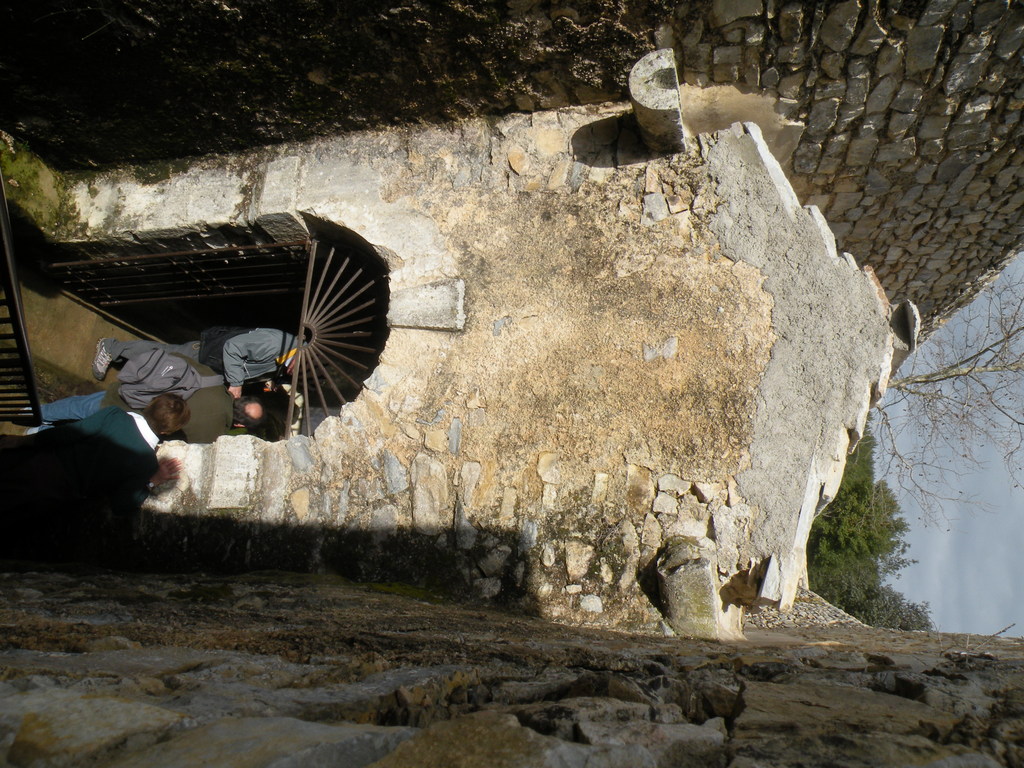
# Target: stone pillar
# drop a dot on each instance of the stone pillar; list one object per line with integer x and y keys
{"x": 654, "y": 91}
{"x": 905, "y": 322}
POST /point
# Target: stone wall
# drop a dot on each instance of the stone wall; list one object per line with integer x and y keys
{"x": 912, "y": 138}
{"x": 911, "y": 109}
{"x": 648, "y": 357}
{"x": 104, "y": 669}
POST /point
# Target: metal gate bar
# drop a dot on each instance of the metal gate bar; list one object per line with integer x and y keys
{"x": 329, "y": 361}
{"x": 203, "y": 273}
{"x": 318, "y": 363}
{"x": 19, "y": 397}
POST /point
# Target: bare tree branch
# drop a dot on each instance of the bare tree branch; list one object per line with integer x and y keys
{"x": 952, "y": 373}
{"x": 962, "y": 397}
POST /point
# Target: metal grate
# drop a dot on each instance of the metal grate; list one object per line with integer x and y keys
{"x": 240, "y": 270}
{"x": 341, "y": 305}
{"x": 19, "y": 397}
{"x": 328, "y": 360}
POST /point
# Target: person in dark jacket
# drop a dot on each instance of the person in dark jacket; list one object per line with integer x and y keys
{"x": 214, "y": 412}
{"x": 106, "y": 458}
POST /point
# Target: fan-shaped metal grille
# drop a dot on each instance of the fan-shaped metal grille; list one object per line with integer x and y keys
{"x": 330, "y": 361}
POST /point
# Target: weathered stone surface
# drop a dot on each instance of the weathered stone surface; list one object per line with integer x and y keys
{"x": 437, "y": 305}
{"x": 727, "y": 11}
{"x": 870, "y": 38}
{"x": 58, "y": 727}
{"x": 490, "y": 736}
{"x": 654, "y": 90}
{"x": 655, "y": 209}
{"x": 688, "y": 582}
{"x": 677, "y": 744}
{"x": 804, "y": 708}
{"x": 936, "y": 12}
{"x": 969, "y": 46}
{"x": 395, "y": 474}
{"x": 281, "y": 742}
{"x": 289, "y": 666}
{"x": 923, "y": 44}
{"x": 882, "y": 94}
{"x": 429, "y": 494}
{"x": 908, "y": 99}
{"x": 822, "y": 118}
{"x": 896, "y": 151}
{"x": 965, "y": 72}
{"x": 474, "y": 208}
{"x": 861, "y": 150}
{"x": 1010, "y": 40}
{"x": 754, "y": 485}
{"x": 726, "y": 62}
{"x": 791, "y": 19}
{"x": 838, "y": 28}
{"x": 962, "y": 136}
{"x": 300, "y": 452}
{"x": 933, "y": 127}
{"x": 282, "y": 227}
{"x": 234, "y": 473}
{"x": 578, "y": 556}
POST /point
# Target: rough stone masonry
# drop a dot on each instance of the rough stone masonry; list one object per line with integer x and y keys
{"x": 650, "y": 375}
{"x": 911, "y": 125}
{"x": 277, "y": 670}
{"x": 904, "y": 116}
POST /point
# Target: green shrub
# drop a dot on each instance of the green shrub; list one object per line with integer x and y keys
{"x": 858, "y": 541}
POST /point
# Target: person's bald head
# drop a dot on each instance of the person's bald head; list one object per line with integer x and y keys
{"x": 248, "y": 412}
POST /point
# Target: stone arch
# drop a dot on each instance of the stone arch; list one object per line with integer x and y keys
{"x": 344, "y": 319}
{"x": 257, "y": 274}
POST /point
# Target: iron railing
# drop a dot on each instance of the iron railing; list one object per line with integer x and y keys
{"x": 237, "y": 270}
{"x": 339, "y": 305}
{"x": 19, "y": 397}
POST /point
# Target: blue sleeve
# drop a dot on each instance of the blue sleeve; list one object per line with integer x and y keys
{"x": 77, "y": 431}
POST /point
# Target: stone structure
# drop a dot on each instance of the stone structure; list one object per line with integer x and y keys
{"x": 115, "y": 671}
{"x": 910, "y": 108}
{"x": 597, "y": 357}
{"x": 912, "y": 137}
{"x": 654, "y": 91}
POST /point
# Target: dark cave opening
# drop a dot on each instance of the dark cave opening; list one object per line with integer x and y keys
{"x": 170, "y": 288}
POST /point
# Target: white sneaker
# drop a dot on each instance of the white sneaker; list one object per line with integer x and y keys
{"x": 101, "y": 360}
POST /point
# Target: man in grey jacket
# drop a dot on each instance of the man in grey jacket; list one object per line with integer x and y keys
{"x": 240, "y": 354}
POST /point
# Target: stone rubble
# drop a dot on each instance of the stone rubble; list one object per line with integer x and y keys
{"x": 809, "y": 610}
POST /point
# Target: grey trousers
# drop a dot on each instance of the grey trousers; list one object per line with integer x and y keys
{"x": 124, "y": 350}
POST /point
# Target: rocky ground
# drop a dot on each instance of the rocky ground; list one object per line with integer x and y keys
{"x": 809, "y": 610}
{"x": 272, "y": 669}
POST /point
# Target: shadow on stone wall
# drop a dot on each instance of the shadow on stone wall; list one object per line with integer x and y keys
{"x": 611, "y": 142}
{"x": 166, "y": 543}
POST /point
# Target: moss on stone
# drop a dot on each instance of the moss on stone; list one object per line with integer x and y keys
{"x": 406, "y": 590}
{"x": 37, "y": 191}
{"x": 154, "y": 173}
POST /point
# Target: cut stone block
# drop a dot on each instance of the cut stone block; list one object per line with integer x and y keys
{"x": 435, "y": 306}
{"x": 654, "y": 91}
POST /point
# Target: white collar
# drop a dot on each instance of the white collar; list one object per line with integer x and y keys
{"x": 144, "y": 429}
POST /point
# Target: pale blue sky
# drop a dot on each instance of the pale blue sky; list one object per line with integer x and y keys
{"x": 970, "y": 565}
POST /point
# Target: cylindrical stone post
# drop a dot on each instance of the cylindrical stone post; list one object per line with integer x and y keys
{"x": 654, "y": 91}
